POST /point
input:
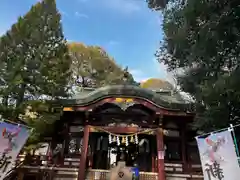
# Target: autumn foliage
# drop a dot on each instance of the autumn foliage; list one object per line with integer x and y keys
{"x": 154, "y": 83}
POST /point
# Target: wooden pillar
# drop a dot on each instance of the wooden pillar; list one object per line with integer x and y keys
{"x": 160, "y": 151}
{"x": 153, "y": 153}
{"x": 82, "y": 167}
{"x": 20, "y": 175}
{"x": 183, "y": 144}
{"x": 153, "y": 162}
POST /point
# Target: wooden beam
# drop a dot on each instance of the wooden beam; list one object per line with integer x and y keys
{"x": 120, "y": 130}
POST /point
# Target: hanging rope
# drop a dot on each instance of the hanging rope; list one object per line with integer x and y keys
{"x": 123, "y": 139}
{"x": 124, "y": 136}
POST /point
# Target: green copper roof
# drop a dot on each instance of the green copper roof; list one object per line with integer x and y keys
{"x": 163, "y": 99}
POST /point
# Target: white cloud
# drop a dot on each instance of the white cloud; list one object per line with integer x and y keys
{"x": 80, "y": 15}
{"x": 123, "y": 6}
{"x": 138, "y": 75}
{"x": 154, "y": 69}
{"x": 69, "y": 40}
{"x": 113, "y": 43}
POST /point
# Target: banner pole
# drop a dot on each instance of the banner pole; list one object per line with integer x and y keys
{"x": 235, "y": 142}
{"x": 213, "y": 132}
{"x": 14, "y": 123}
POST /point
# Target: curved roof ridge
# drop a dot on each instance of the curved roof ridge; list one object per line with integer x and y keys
{"x": 161, "y": 100}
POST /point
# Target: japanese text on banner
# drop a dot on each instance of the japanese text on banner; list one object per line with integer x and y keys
{"x": 218, "y": 157}
{"x": 12, "y": 139}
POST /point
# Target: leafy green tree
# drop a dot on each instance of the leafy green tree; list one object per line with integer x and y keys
{"x": 34, "y": 56}
{"x": 41, "y": 116}
{"x": 93, "y": 67}
{"x": 35, "y": 64}
{"x": 202, "y": 38}
{"x": 157, "y": 4}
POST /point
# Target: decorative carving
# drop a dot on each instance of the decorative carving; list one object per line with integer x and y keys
{"x": 72, "y": 146}
{"x": 120, "y": 174}
{"x": 75, "y": 145}
{"x": 122, "y": 125}
{"x": 124, "y": 103}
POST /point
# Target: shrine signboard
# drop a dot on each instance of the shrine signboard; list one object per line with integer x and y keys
{"x": 12, "y": 139}
{"x": 218, "y": 157}
{"x": 160, "y": 154}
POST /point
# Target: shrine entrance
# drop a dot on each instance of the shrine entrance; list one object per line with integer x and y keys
{"x": 137, "y": 148}
{"x": 124, "y": 153}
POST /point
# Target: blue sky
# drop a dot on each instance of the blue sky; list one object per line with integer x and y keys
{"x": 126, "y": 29}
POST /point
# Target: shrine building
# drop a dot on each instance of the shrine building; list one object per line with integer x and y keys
{"x": 150, "y": 128}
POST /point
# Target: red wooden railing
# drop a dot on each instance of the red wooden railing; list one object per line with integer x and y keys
{"x": 43, "y": 160}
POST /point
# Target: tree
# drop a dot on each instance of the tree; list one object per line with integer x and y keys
{"x": 157, "y": 4}
{"x": 202, "y": 38}
{"x": 34, "y": 56}
{"x": 157, "y": 84}
{"x": 93, "y": 67}
{"x": 41, "y": 116}
{"x": 34, "y": 64}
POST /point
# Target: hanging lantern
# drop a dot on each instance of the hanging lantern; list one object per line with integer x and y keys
{"x": 126, "y": 140}
{"x": 136, "y": 139}
{"x": 110, "y": 138}
{"x": 118, "y": 141}
{"x": 132, "y": 139}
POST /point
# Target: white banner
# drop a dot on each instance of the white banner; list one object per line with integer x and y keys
{"x": 12, "y": 139}
{"x": 218, "y": 157}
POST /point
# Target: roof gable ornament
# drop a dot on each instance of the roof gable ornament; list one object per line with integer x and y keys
{"x": 124, "y": 103}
